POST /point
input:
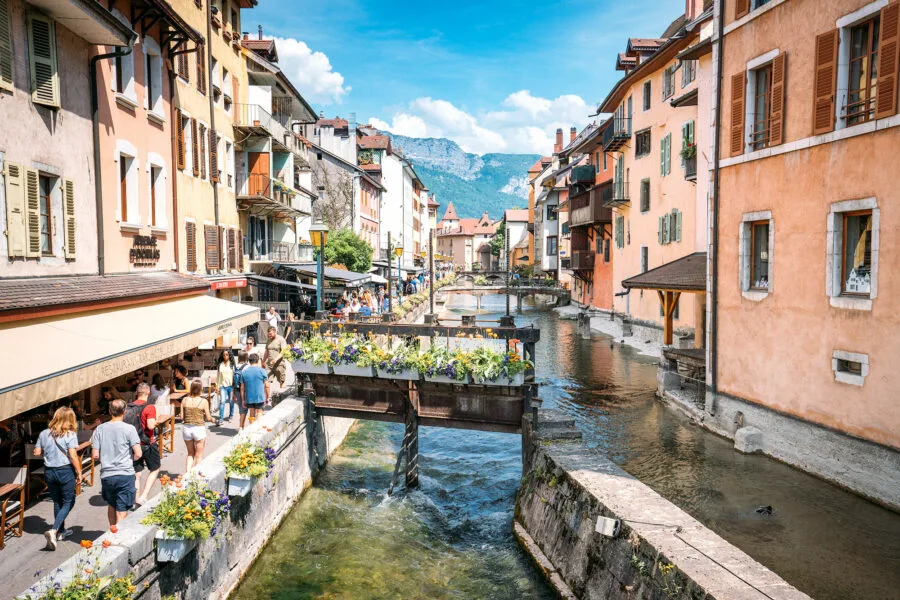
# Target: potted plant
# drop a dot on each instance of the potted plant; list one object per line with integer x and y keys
{"x": 187, "y": 513}
{"x": 398, "y": 363}
{"x": 354, "y": 356}
{"x": 310, "y": 355}
{"x": 85, "y": 582}
{"x": 246, "y": 463}
{"x": 688, "y": 150}
{"x": 442, "y": 365}
{"x": 494, "y": 367}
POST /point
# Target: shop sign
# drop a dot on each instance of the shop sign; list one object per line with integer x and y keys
{"x": 229, "y": 283}
{"x": 144, "y": 251}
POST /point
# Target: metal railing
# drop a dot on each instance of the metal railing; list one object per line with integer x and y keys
{"x": 617, "y": 135}
{"x": 254, "y": 115}
{"x": 290, "y": 252}
{"x": 690, "y": 168}
{"x": 259, "y": 185}
{"x": 619, "y": 194}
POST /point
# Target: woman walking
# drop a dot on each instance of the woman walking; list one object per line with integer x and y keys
{"x": 224, "y": 379}
{"x": 195, "y": 409}
{"x": 57, "y": 445}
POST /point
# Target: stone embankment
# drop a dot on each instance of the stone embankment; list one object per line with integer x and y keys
{"x": 651, "y": 549}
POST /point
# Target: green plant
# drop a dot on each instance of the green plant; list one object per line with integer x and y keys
{"x": 480, "y": 280}
{"x": 356, "y": 350}
{"x": 640, "y": 565}
{"x": 249, "y": 460}
{"x": 189, "y": 510}
{"x": 440, "y": 360}
{"x": 346, "y": 248}
{"x": 688, "y": 150}
{"x": 398, "y": 359}
{"x": 315, "y": 349}
{"x": 86, "y": 585}
{"x": 487, "y": 364}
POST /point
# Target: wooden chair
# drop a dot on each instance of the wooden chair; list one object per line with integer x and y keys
{"x": 12, "y": 502}
{"x": 35, "y": 472}
{"x": 87, "y": 460}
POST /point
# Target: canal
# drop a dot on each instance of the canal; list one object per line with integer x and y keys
{"x": 452, "y": 538}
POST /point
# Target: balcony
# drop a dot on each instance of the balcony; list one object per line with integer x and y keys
{"x": 564, "y": 263}
{"x": 582, "y": 175}
{"x": 619, "y": 195}
{"x": 617, "y": 135}
{"x": 261, "y": 194}
{"x": 289, "y": 252}
{"x": 589, "y": 208}
{"x": 583, "y": 260}
{"x": 690, "y": 168}
{"x": 254, "y": 119}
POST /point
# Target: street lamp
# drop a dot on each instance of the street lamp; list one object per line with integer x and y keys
{"x": 318, "y": 232}
{"x": 398, "y": 251}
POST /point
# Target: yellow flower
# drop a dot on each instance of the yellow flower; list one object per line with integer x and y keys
{"x": 488, "y": 330}
{"x": 188, "y": 517}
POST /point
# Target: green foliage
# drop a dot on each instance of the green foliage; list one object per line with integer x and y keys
{"x": 480, "y": 280}
{"x": 346, "y": 248}
{"x": 87, "y": 585}
{"x": 247, "y": 460}
{"x": 189, "y": 511}
{"x": 315, "y": 349}
{"x": 498, "y": 242}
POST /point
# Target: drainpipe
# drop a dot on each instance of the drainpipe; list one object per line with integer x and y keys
{"x": 212, "y": 121}
{"x": 175, "y": 120}
{"x": 95, "y": 117}
{"x": 714, "y": 246}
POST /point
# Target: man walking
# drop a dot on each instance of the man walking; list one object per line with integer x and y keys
{"x": 254, "y": 387}
{"x": 237, "y": 387}
{"x": 143, "y": 417}
{"x": 272, "y": 358}
{"x": 116, "y": 445}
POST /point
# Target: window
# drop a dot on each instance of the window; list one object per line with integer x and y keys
{"x": 742, "y": 7}
{"x": 862, "y": 84}
{"x": 604, "y": 161}
{"x": 850, "y": 367}
{"x": 665, "y": 155}
{"x": 596, "y": 162}
{"x": 42, "y": 55}
{"x": 646, "y": 96}
{"x": 201, "y": 69}
{"x": 552, "y": 245}
{"x": 668, "y": 82}
{"x": 153, "y": 76}
{"x": 856, "y": 266}
{"x": 645, "y": 259}
{"x": 46, "y": 191}
{"x": 756, "y": 262}
{"x": 123, "y": 76}
{"x": 642, "y": 143}
{"x": 188, "y": 143}
{"x": 235, "y": 24}
{"x": 552, "y": 212}
{"x": 128, "y": 196}
{"x": 183, "y": 66}
{"x": 688, "y": 72}
{"x": 662, "y": 313}
{"x": 201, "y": 139}
{"x": 229, "y": 163}
{"x": 157, "y": 193}
{"x": 757, "y": 102}
{"x": 759, "y": 255}
{"x": 6, "y": 56}
{"x": 688, "y": 145}
{"x": 606, "y": 245}
{"x": 762, "y": 99}
{"x": 645, "y": 195}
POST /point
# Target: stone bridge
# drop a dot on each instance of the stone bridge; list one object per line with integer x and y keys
{"x": 517, "y": 288}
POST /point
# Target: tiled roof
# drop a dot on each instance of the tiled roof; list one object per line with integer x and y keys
{"x": 43, "y": 292}
{"x": 645, "y": 43}
{"x": 469, "y": 227}
{"x": 265, "y": 48}
{"x": 371, "y": 168}
{"x": 538, "y": 166}
{"x": 336, "y": 123}
{"x": 375, "y": 142}
{"x": 685, "y": 274}
{"x": 432, "y": 203}
{"x": 450, "y": 213}
{"x": 516, "y": 216}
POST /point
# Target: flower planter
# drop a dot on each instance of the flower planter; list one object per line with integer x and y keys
{"x": 445, "y": 379}
{"x": 405, "y": 374}
{"x": 173, "y": 549}
{"x": 304, "y": 366}
{"x": 353, "y": 370}
{"x": 515, "y": 380}
{"x": 240, "y": 486}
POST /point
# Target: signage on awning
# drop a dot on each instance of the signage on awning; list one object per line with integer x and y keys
{"x": 229, "y": 283}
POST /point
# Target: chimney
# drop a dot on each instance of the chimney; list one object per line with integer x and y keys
{"x": 692, "y": 9}
{"x": 557, "y": 148}
{"x": 246, "y": 35}
{"x": 573, "y": 133}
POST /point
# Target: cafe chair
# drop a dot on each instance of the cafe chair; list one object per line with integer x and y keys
{"x": 12, "y": 502}
{"x": 35, "y": 473}
{"x": 87, "y": 461}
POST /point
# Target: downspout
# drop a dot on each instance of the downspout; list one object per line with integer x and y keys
{"x": 211, "y": 134}
{"x": 95, "y": 117}
{"x": 714, "y": 246}
{"x": 175, "y": 120}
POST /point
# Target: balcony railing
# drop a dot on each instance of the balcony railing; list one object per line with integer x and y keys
{"x": 690, "y": 168}
{"x": 617, "y": 135}
{"x": 254, "y": 115}
{"x": 588, "y": 208}
{"x": 619, "y": 196}
{"x": 258, "y": 185}
{"x": 289, "y": 252}
{"x": 583, "y": 260}
{"x": 582, "y": 174}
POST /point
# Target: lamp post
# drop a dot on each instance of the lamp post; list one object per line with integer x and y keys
{"x": 318, "y": 233}
{"x": 398, "y": 251}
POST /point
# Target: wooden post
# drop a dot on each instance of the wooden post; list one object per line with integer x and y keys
{"x": 668, "y": 300}
{"x": 699, "y": 320}
{"x": 412, "y": 448}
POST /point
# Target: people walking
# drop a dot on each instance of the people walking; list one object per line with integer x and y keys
{"x": 254, "y": 387}
{"x": 237, "y": 387}
{"x": 62, "y": 467}
{"x": 272, "y": 358}
{"x": 141, "y": 414}
{"x": 116, "y": 445}
{"x": 224, "y": 381}
{"x": 195, "y": 409}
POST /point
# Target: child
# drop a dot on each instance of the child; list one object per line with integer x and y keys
{"x": 212, "y": 397}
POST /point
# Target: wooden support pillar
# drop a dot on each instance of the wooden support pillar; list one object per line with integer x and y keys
{"x": 518, "y": 302}
{"x": 668, "y": 300}
{"x": 412, "y": 448}
{"x": 699, "y": 320}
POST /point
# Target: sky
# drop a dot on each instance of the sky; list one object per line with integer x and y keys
{"x": 492, "y": 75}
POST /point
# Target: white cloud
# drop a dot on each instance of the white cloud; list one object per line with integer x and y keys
{"x": 524, "y": 123}
{"x": 310, "y": 72}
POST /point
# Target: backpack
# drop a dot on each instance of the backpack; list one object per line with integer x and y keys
{"x": 237, "y": 378}
{"x": 133, "y": 417}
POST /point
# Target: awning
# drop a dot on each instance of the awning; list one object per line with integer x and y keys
{"x": 687, "y": 274}
{"x": 273, "y": 281}
{"x": 687, "y": 99}
{"x": 378, "y": 279}
{"x": 348, "y": 278}
{"x": 87, "y": 349}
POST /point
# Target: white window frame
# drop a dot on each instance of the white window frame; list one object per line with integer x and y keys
{"x": 155, "y": 161}
{"x": 188, "y": 144}
{"x": 127, "y": 150}
{"x": 753, "y": 65}
{"x": 128, "y": 94}
{"x": 745, "y": 243}
{"x": 844, "y": 376}
{"x": 153, "y": 103}
{"x": 834, "y": 254}
{"x": 229, "y": 163}
{"x": 844, "y": 24}
{"x": 204, "y": 158}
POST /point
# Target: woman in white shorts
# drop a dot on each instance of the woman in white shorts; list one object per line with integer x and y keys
{"x": 196, "y": 414}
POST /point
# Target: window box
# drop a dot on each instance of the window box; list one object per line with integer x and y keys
{"x": 353, "y": 370}
{"x": 405, "y": 375}
{"x": 515, "y": 380}
{"x": 240, "y": 486}
{"x": 444, "y": 379}
{"x": 304, "y": 366}
{"x": 172, "y": 549}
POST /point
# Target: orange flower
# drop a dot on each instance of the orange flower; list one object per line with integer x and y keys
{"x": 107, "y": 543}
{"x": 86, "y": 543}
{"x": 114, "y": 528}
{"x": 88, "y": 571}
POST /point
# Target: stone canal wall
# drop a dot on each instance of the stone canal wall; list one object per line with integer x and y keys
{"x": 659, "y": 551}
{"x": 219, "y": 563}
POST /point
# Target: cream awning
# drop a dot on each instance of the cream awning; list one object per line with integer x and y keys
{"x": 53, "y": 358}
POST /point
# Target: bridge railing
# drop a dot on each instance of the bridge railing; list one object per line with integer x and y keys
{"x": 526, "y": 335}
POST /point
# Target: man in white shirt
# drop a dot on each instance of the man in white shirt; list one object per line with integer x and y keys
{"x": 273, "y": 318}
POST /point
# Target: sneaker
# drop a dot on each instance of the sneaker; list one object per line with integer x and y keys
{"x": 51, "y": 539}
{"x": 61, "y": 535}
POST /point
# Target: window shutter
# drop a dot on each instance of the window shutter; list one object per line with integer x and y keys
{"x": 741, "y": 8}
{"x": 68, "y": 187}
{"x": 44, "y": 74}
{"x": 6, "y": 58}
{"x": 213, "y": 156}
{"x": 776, "y": 111}
{"x": 240, "y": 244}
{"x": 190, "y": 240}
{"x": 33, "y": 213}
{"x": 888, "y": 57}
{"x": 232, "y": 248}
{"x": 179, "y": 139}
{"x": 662, "y": 156}
{"x": 202, "y": 160}
{"x": 825, "y": 85}
{"x": 659, "y": 230}
{"x": 223, "y": 259}
{"x": 15, "y": 210}
{"x": 668, "y": 153}
{"x": 738, "y": 91}
{"x": 195, "y": 154}
{"x": 201, "y": 69}
{"x": 211, "y": 238}
{"x": 677, "y": 216}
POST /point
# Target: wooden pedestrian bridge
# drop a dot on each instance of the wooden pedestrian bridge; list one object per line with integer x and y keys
{"x": 497, "y": 406}
{"x": 480, "y": 284}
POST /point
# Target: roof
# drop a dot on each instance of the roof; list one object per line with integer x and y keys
{"x": 450, "y": 213}
{"x": 90, "y": 21}
{"x": 469, "y": 227}
{"x": 337, "y": 123}
{"x": 644, "y": 44}
{"x": 625, "y": 62}
{"x": 264, "y": 47}
{"x": 312, "y": 270}
{"x": 375, "y": 142}
{"x": 272, "y": 280}
{"x": 538, "y": 166}
{"x": 515, "y": 215}
{"x": 684, "y": 274}
{"x": 432, "y": 203}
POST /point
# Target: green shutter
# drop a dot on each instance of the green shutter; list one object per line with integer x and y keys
{"x": 659, "y": 230}
{"x": 44, "y": 72}
{"x": 6, "y": 57}
{"x": 662, "y": 155}
{"x": 677, "y": 216}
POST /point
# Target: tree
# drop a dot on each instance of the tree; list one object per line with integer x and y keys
{"x": 498, "y": 242}
{"x": 346, "y": 248}
{"x": 335, "y": 203}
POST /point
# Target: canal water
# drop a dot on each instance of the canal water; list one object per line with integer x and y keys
{"x": 452, "y": 538}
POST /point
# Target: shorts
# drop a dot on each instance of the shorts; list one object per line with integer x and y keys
{"x": 280, "y": 373}
{"x": 118, "y": 491}
{"x": 149, "y": 458}
{"x": 193, "y": 433}
{"x": 256, "y": 405}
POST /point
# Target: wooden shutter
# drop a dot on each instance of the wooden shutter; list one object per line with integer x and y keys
{"x": 776, "y": 110}
{"x": 236, "y": 88}
{"x": 44, "y": 73}
{"x": 223, "y": 259}
{"x": 201, "y": 69}
{"x": 201, "y": 130}
{"x": 738, "y": 92}
{"x": 213, "y": 156}
{"x": 888, "y": 57}
{"x": 68, "y": 187}
{"x": 195, "y": 152}
{"x": 33, "y": 213}
{"x": 662, "y": 155}
{"x": 179, "y": 139}
{"x": 741, "y": 8}
{"x": 184, "y": 70}
{"x": 240, "y": 244}
{"x": 190, "y": 240}
{"x": 668, "y": 153}
{"x": 232, "y": 248}
{"x": 16, "y": 238}
{"x": 824, "y": 87}
{"x": 211, "y": 237}
{"x": 6, "y": 57}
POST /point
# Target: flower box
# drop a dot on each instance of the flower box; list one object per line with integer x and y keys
{"x": 353, "y": 370}
{"x": 305, "y": 366}
{"x": 445, "y": 379}
{"x": 240, "y": 486}
{"x": 405, "y": 374}
{"x": 169, "y": 549}
{"x": 515, "y": 380}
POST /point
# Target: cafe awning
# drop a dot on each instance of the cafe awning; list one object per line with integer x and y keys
{"x": 64, "y": 355}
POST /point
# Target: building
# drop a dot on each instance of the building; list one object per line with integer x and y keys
{"x": 533, "y": 192}
{"x": 804, "y": 311}
{"x": 516, "y": 225}
{"x": 466, "y": 241}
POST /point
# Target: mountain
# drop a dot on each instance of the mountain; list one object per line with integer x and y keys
{"x": 490, "y": 182}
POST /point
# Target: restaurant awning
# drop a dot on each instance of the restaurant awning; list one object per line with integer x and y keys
{"x": 274, "y": 281}
{"x": 347, "y": 278}
{"x": 71, "y": 353}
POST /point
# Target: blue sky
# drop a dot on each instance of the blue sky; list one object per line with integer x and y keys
{"x": 492, "y": 75}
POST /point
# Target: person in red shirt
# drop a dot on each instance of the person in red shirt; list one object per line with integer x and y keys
{"x": 143, "y": 417}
